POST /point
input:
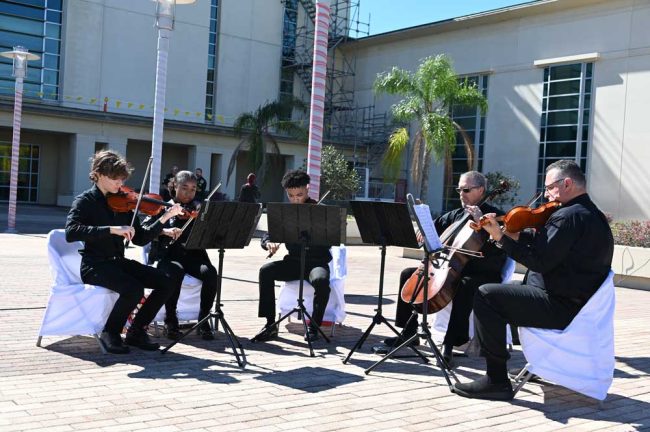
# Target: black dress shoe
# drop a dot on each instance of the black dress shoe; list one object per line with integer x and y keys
{"x": 172, "y": 329}
{"x": 399, "y": 340}
{"x": 448, "y": 353}
{"x": 112, "y": 343}
{"x": 484, "y": 388}
{"x": 312, "y": 334}
{"x": 268, "y": 333}
{"x": 205, "y": 331}
{"x": 138, "y": 337}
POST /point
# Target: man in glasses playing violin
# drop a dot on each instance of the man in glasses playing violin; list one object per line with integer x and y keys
{"x": 472, "y": 187}
{"x": 173, "y": 259}
{"x": 103, "y": 232}
{"x": 567, "y": 259}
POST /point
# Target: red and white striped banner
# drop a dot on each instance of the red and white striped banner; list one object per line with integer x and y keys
{"x": 317, "y": 105}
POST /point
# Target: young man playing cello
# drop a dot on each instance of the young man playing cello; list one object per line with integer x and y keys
{"x": 103, "y": 232}
{"x": 175, "y": 260}
{"x": 472, "y": 189}
{"x": 567, "y": 260}
{"x": 317, "y": 272}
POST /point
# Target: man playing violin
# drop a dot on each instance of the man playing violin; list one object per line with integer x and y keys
{"x": 567, "y": 259}
{"x": 103, "y": 232}
{"x": 472, "y": 189}
{"x": 173, "y": 259}
{"x": 296, "y": 184}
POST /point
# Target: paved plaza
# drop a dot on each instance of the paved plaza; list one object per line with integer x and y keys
{"x": 68, "y": 384}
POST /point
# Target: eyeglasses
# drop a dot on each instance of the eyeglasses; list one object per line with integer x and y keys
{"x": 466, "y": 190}
{"x": 550, "y": 186}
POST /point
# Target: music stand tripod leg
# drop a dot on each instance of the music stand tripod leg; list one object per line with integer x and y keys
{"x": 379, "y": 317}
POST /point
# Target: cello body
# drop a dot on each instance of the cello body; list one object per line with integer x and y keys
{"x": 445, "y": 269}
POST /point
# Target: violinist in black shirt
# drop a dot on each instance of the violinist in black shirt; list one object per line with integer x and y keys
{"x": 317, "y": 273}
{"x": 175, "y": 260}
{"x": 472, "y": 187}
{"x": 567, "y": 260}
{"x": 103, "y": 232}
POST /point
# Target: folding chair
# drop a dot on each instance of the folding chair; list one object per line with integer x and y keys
{"x": 335, "y": 310}
{"x": 580, "y": 357}
{"x": 74, "y": 308}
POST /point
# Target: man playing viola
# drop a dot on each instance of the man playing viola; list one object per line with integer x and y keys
{"x": 173, "y": 259}
{"x": 472, "y": 190}
{"x": 317, "y": 273}
{"x": 103, "y": 232}
{"x": 567, "y": 260}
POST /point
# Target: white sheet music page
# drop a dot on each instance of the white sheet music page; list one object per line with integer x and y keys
{"x": 431, "y": 238}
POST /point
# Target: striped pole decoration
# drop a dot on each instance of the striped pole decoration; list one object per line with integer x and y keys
{"x": 317, "y": 105}
{"x": 159, "y": 109}
{"x": 15, "y": 152}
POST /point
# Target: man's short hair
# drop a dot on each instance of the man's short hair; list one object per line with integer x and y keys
{"x": 475, "y": 178}
{"x": 570, "y": 169}
{"x": 295, "y": 179}
{"x": 184, "y": 176}
{"x": 110, "y": 164}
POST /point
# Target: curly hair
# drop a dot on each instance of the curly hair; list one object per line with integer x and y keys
{"x": 295, "y": 179}
{"x": 110, "y": 164}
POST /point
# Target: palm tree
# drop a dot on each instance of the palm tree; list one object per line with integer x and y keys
{"x": 256, "y": 130}
{"x": 429, "y": 95}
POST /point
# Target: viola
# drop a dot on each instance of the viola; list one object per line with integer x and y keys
{"x": 461, "y": 244}
{"x": 126, "y": 199}
{"x": 521, "y": 217}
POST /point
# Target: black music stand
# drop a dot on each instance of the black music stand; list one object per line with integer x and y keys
{"x": 424, "y": 227}
{"x": 383, "y": 224}
{"x": 307, "y": 225}
{"x": 222, "y": 225}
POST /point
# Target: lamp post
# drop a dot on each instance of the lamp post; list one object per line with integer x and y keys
{"x": 20, "y": 55}
{"x": 165, "y": 10}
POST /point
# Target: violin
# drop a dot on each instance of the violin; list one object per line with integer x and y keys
{"x": 521, "y": 217}
{"x": 151, "y": 204}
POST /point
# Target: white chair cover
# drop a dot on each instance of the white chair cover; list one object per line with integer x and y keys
{"x": 580, "y": 357}
{"x": 441, "y": 320}
{"x": 189, "y": 302}
{"x": 335, "y": 310}
{"x": 73, "y": 308}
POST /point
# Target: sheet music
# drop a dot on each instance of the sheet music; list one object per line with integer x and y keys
{"x": 431, "y": 238}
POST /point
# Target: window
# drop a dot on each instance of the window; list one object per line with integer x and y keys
{"x": 210, "y": 86}
{"x": 471, "y": 120}
{"x": 36, "y": 25}
{"x": 566, "y": 114}
{"x": 288, "y": 48}
{"x": 28, "y": 161}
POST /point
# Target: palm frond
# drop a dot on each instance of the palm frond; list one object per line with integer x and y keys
{"x": 469, "y": 146}
{"x": 393, "y": 158}
{"x": 439, "y": 132}
{"x": 242, "y": 146}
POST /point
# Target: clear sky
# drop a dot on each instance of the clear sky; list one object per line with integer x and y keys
{"x": 388, "y": 15}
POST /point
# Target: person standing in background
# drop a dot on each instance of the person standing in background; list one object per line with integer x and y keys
{"x": 249, "y": 191}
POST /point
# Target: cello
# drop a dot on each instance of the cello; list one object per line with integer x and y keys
{"x": 461, "y": 243}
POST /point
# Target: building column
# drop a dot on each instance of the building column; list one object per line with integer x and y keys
{"x": 82, "y": 148}
{"x": 118, "y": 144}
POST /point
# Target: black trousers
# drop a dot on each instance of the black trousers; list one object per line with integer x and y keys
{"x": 317, "y": 274}
{"x": 458, "y": 327}
{"x": 128, "y": 278}
{"x": 496, "y": 305}
{"x": 194, "y": 263}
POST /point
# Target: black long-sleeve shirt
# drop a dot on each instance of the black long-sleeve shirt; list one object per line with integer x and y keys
{"x": 89, "y": 221}
{"x": 493, "y": 258}
{"x": 314, "y": 255}
{"x": 571, "y": 255}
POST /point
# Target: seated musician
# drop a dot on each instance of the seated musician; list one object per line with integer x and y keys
{"x": 568, "y": 259}
{"x": 296, "y": 185}
{"x": 478, "y": 271}
{"x": 103, "y": 232}
{"x": 173, "y": 259}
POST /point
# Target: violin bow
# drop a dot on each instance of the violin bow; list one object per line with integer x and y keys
{"x": 137, "y": 204}
{"x": 323, "y": 197}
{"x": 213, "y": 191}
{"x": 198, "y": 208}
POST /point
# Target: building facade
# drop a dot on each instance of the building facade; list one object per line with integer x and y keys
{"x": 563, "y": 79}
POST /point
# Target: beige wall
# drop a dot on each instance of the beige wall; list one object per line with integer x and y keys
{"x": 506, "y": 47}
